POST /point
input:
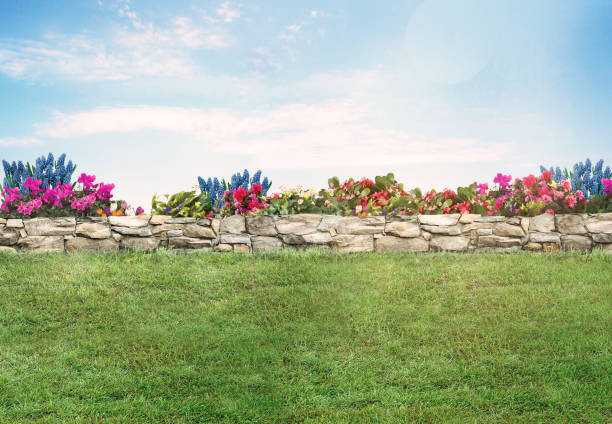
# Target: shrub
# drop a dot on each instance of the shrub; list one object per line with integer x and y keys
{"x": 244, "y": 202}
{"x": 213, "y": 190}
{"x": 181, "y": 204}
{"x": 583, "y": 177}
{"x": 294, "y": 201}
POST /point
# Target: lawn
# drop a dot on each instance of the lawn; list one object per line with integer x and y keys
{"x": 305, "y": 337}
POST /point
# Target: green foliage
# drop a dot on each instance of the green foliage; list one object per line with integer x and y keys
{"x": 599, "y": 204}
{"x": 181, "y": 204}
{"x": 292, "y": 202}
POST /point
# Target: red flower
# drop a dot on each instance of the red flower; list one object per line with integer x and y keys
{"x": 529, "y": 181}
{"x": 547, "y": 175}
{"x": 239, "y": 194}
{"x": 256, "y": 188}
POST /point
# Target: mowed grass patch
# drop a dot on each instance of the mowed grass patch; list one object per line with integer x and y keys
{"x": 305, "y": 337}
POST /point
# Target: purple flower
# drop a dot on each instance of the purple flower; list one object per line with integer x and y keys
{"x": 139, "y": 210}
{"x": 167, "y": 209}
{"x": 107, "y": 211}
{"x": 179, "y": 207}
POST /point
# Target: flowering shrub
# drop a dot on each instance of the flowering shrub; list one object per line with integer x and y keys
{"x": 583, "y": 177}
{"x": 603, "y": 202}
{"x": 293, "y": 201}
{"x": 181, "y": 204}
{"x": 49, "y": 172}
{"x": 244, "y": 202}
{"x": 533, "y": 195}
{"x": 120, "y": 208}
{"x": 62, "y": 200}
{"x": 213, "y": 190}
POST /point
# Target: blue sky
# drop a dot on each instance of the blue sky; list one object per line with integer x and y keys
{"x": 149, "y": 95}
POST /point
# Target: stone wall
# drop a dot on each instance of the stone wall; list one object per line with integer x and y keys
{"x": 423, "y": 233}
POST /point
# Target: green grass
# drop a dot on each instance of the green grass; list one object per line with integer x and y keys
{"x": 306, "y": 337}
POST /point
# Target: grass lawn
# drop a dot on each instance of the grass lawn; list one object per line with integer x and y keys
{"x": 306, "y": 337}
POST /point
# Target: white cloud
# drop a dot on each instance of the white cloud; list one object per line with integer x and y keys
{"x": 289, "y": 33}
{"x": 299, "y": 136}
{"x": 19, "y": 141}
{"x": 226, "y": 13}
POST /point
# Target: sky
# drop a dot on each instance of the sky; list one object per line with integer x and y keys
{"x": 151, "y": 95}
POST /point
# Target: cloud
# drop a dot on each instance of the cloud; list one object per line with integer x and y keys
{"x": 226, "y": 13}
{"x": 19, "y": 141}
{"x": 297, "y": 136}
{"x": 289, "y": 33}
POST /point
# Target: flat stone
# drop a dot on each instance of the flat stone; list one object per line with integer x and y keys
{"x": 229, "y": 238}
{"x": 134, "y": 231}
{"x": 8, "y": 237}
{"x": 544, "y": 223}
{"x": 449, "y": 230}
{"x": 525, "y": 224}
{"x": 361, "y": 225}
{"x": 468, "y": 218}
{"x": 298, "y": 224}
{"x": 404, "y": 218}
{"x": 98, "y": 245}
{"x": 402, "y": 229}
{"x": 329, "y": 223}
{"x": 490, "y": 219}
{"x": 498, "y": 249}
{"x": 158, "y": 229}
{"x": 189, "y": 242}
{"x": 181, "y": 220}
{"x": 38, "y": 244}
{"x": 93, "y": 230}
{"x": 234, "y": 224}
{"x": 204, "y": 222}
{"x": 484, "y": 232}
{"x": 317, "y": 238}
{"x": 426, "y": 235}
{"x": 570, "y": 224}
{"x": 451, "y": 243}
{"x": 14, "y": 223}
{"x": 261, "y": 225}
{"x": 550, "y": 247}
{"x": 401, "y": 244}
{"x": 242, "y": 248}
{"x": 601, "y": 223}
{"x": 223, "y": 248}
{"x": 450, "y": 219}
{"x": 159, "y": 219}
{"x": 576, "y": 242}
{"x": 507, "y": 230}
{"x": 2, "y": 221}
{"x": 50, "y": 226}
{"x": 476, "y": 226}
{"x": 139, "y": 243}
{"x": 293, "y": 239}
{"x": 515, "y": 220}
{"x": 350, "y": 243}
{"x": 197, "y": 231}
{"x": 129, "y": 221}
{"x": 7, "y": 249}
{"x": 215, "y": 224}
{"x": 266, "y": 244}
{"x": 544, "y": 238}
{"x": 533, "y": 247}
{"x": 117, "y": 237}
{"x": 498, "y": 241}
{"x": 602, "y": 238}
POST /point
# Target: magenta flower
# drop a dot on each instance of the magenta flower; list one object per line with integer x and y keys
{"x": 33, "y": 185}
{"x": 87, "y": 181}
{"x": 607, "y": 183}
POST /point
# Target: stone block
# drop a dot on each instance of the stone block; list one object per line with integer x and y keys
{"x": 234, "y": 224}
{"x": 50, "y": 226}
{"x": 401, "y": 244}
{"x": 298, "y": 224}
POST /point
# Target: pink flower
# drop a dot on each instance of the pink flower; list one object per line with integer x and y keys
{"x": 481, "y": 188}
{"x": 550, "y": 211}
{"x": 104, "y": 192}
{"x": 87, "y": 181}
{"x": 607, "y": 183}
{"x": 33, "y": 185}
{"x": 546, "y": 175}
{"x": 546, "y": 198}
{"x": 557, "y": 194}
{"x": 529, "y": 181}
{"x": 239, "y": 194}
{"x": 566, "y": 185}
{"x": 570, "y": 202}
{"x": 256, "y": 188}
{"x": 502, "y": 180}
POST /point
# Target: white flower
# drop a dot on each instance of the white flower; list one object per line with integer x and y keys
{"x": 113, "y": 207}
{"x": 130, "y": 212}
{"x": 358, "y": 208}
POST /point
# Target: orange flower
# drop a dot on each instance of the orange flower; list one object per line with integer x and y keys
{"x": 99, "y": 212}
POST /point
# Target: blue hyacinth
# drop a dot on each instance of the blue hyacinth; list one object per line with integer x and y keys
{"x": 50, "y": 172}
{"x": 213, "y": 190}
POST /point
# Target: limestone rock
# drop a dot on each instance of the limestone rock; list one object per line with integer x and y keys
{"x": 576, "y": 242}
{"x": 266, "y": 244}
{"x": 93, "y": 230}
{"x": 484, "y": 232}
{"x": 7, "y": 249}
{"x": 426, "y": 235}
{"x": 317, "y": 238}
{"x": 50, "y": 226}
{"x": 451, "y": 219}
{"x": 498, "y": 241}
{"x": 533, "y": 247}
{"x": 8, "y": 237}
{"x": 14, "y": 223}
{"x": 242, "y": 248}
{"x": 544, "y": 223}
{"x": 223, "y": 248}
{"x": 98, "y": 245}
{"x": 601, "y": 223}
{"x": 228, "y": 238}
{"x": 174, "y": 233}
{"x": 515, "y": 220}
{"x": 401, "y": 244}
{"x": 361, "y": 225}
{"x": 468, "y": 218}
{"x": 449, "y": 230}
{"x": 35, "y": 244}
{"x": 234, "y": 224}
{"x": 329, "y": 223}
{"x": 2, "y": 221}
{"x": 158, "y": 229}
{"x": 490, "y": 219}
{"x": 525, "y": 224}
{"x": 452, "y": 243}
{"x": 544, "y": 238}
{"x": 215, "y": 224}
{"x": 159, "y": 219}
{"x": 402, "y": 229}
{"x": 602, "y": 238}
{"x": 298, "y": 224}
{"x": 189, "y": 242}
{"x": 350, "y": 243}
{"x": 197, "y": 231}
{"x": 293, "y": 239}
{"x": 139, "y": 243}
{"x": 476, "y": 226}
{"x": 129, "y": 221}
{"x": 134, "y": 231}
{"x": 507, "y": 230}
{"x": 570, "y": 224}
{"x": 261, "y": 225}
{"x": 181, "y": 220}
{"x": 550, "y": 247}
{"x": 117, "y": 237}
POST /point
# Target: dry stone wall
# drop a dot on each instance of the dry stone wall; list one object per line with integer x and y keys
{"x": 423, "y": 233}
